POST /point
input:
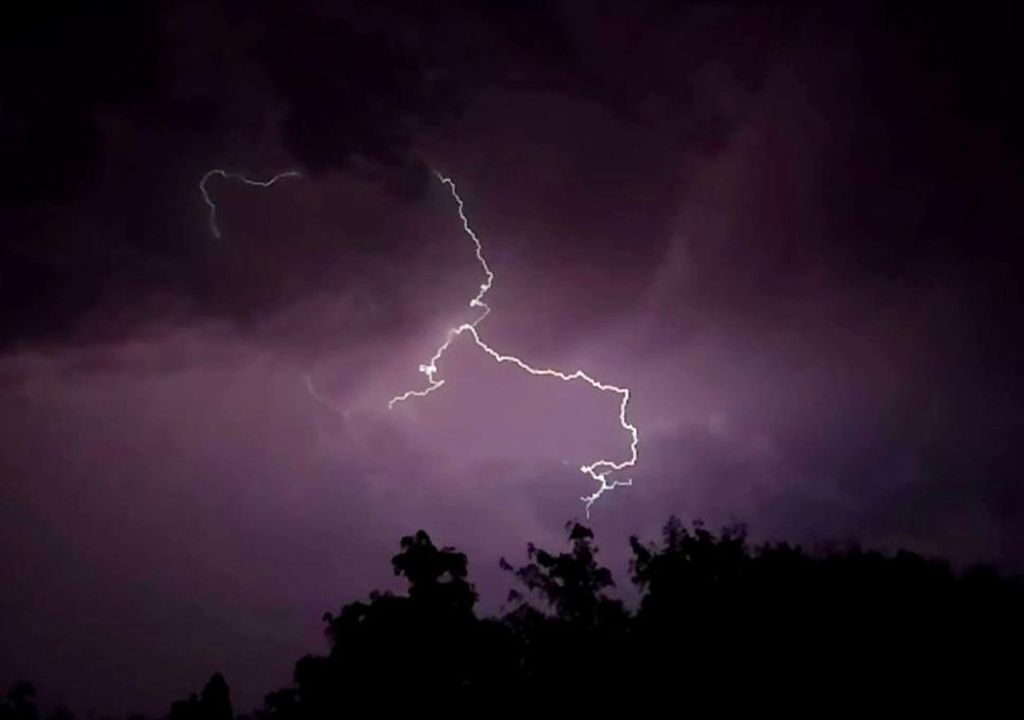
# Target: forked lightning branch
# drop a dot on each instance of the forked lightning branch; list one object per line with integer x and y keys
{"x": 599, "y": 470}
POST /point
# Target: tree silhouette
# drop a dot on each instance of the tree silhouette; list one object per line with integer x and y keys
{"x": 409, "y": 648}
{"x": 20, "y": 702}
{"x": 437, "y": 578}
{"x": 214, "y": 703}
{"x": 586, "y": 633}
{"x": 572, "y": 583}
{"x": 720, "y": 623}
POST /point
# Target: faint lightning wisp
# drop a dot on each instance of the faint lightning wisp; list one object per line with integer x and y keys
{"x": 598, "y": 470}
{"x": 214, "y": 228}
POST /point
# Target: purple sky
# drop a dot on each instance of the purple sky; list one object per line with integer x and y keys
{"x": 791, "y": 233}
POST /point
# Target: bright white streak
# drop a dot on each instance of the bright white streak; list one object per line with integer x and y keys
{"x": 241, "y": 178}
{"x": 597, "y": 470}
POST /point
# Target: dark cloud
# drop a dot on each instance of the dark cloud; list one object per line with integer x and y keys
{"x": 62, "y": 66}
{"x": 351, "y": 93}
{"x": 123, "y": 109}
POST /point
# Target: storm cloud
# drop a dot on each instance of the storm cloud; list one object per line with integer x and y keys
{"x": 792, "y": 231}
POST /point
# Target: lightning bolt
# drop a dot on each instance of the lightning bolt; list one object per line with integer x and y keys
{"x": 214, "y": 229}
{"x": 597, "y": 470}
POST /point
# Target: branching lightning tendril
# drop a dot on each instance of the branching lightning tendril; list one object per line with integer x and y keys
{"x": 597, "y": 470}
{"x": 214, "y": 228}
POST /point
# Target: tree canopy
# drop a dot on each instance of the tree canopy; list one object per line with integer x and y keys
{"x": 719, "y": 621}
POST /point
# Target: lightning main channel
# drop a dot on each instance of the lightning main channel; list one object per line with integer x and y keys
{"x": 597, "y": 470}
{"x": 214, "y": 228}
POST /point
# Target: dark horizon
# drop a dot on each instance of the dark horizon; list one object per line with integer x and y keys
{"x": 791, "y": 230}
{"x": 718, "y": 619}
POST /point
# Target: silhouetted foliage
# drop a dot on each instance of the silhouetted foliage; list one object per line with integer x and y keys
{"x": 586, "y": 622}
{"x": 718, "y": 621}
{"x": 19, "y": 703}
{"x": 214, "y": 703}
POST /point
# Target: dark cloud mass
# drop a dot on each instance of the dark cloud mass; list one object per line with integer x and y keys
{"x": 792, "y": 229}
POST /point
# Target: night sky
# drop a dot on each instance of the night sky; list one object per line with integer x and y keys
{"x": 791, "y": 229}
